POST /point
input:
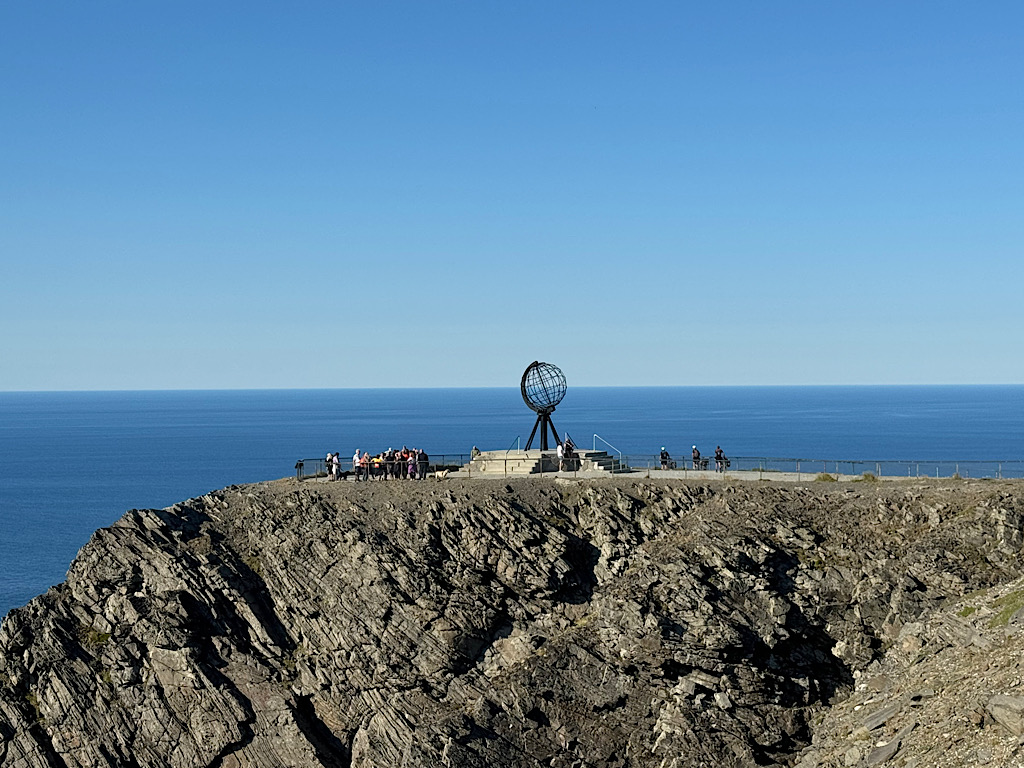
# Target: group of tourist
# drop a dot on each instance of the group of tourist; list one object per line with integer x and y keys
{"x": 721, "y": 461}
{"x": 405, "y": 464}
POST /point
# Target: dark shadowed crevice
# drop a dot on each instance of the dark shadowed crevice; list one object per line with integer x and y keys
{"x": 36, "y": 730}
{"x": 122, "y": 758}
{"x": 538, "y": 716}
{"x": 577, "y": 586}
{"x": 235, "y": 746}
{"x": 329, "y": 749}
{"x": 471, "y": 648}
{"x": 46, "y": 748}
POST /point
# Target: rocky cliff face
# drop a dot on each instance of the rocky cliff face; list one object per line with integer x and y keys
{"x": 567, "y": 624}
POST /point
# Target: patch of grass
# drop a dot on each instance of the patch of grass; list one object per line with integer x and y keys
{"x": 33, "y": 701}
{"x": 966, "y": 611}
{"x": 553, "y": 520}
{"x": 1010, "y": 604}
{"x": 200, "y": 545}
{"x": 867, "y": 477}
{"x": 825, "y": 477}
{"x": 92, "y": 638}
{"x": 291, "y": 661}
{"x": 812, "y": 560}
{"x": 817, "y": 563}
{"x": 255, "y": 565}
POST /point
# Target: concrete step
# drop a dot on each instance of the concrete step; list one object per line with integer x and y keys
{"x": 535, "y": 461}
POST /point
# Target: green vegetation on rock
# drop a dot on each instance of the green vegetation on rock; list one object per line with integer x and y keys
{"x": 1009, "y": 605}
{"x": 92, "y": 638}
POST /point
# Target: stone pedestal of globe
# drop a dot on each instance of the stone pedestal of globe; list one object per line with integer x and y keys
{"x": 543, "y": 387}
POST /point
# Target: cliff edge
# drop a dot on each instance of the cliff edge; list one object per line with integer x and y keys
{"x": 569, "y": 624}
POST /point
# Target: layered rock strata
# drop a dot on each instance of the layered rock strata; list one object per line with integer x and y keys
{"x": 564, "y": 624}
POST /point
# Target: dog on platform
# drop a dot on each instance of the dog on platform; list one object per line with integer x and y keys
{"x": 442, "y": 474}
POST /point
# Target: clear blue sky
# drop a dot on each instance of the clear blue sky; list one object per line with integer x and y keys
{"x": 336, "y": 194}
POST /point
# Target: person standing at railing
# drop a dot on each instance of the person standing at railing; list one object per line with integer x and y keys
{"x": 423, "y": 460}
{"x": 696, "y": 458}
{"x": 355, "y": 465}
{"x": 666, "y": 459}
{"x": 336, "y": 466}
{"x": 569, "y": 452}
{"x": 720, "y": 459}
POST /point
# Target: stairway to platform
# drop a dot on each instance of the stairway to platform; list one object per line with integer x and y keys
{"x": 520, "y": 463}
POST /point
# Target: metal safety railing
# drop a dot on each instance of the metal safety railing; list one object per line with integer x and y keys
{"x": 622, "y": 463}
{"x": 767, "y": 465}
{"x": 395, "y": 469}
{"x": 508, "y": 451}
{"x": 763, "y": 466}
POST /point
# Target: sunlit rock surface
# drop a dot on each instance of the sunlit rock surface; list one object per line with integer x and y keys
{"x": 478, "y": 623}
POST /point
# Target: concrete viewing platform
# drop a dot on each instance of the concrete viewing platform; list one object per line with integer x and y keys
{"x": 519, "y": 463}
{"x": 596, "y": 464}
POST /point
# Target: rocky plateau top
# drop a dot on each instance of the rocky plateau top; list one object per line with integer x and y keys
{"x": 570, "y": 624}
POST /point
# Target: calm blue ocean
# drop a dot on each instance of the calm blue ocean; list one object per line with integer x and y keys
{"x": 71, "y": 462}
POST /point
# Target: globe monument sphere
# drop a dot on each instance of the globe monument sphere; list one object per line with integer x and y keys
{"x": 543, "y": 387}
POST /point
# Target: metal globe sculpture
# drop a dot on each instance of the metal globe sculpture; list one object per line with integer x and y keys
{"x": 543, "y": 387}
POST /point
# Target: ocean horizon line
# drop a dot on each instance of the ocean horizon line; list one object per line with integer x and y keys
{"x": 169, "y": 390}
